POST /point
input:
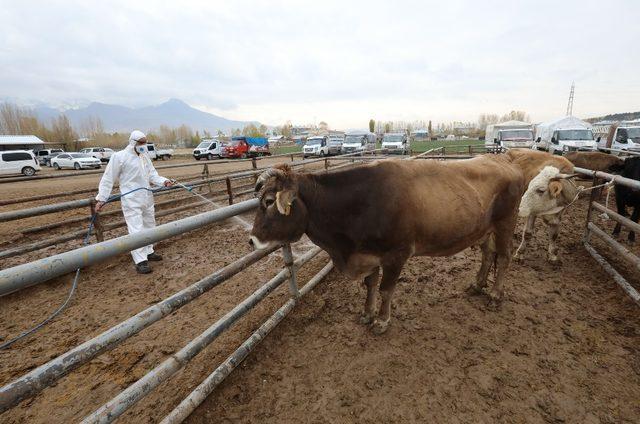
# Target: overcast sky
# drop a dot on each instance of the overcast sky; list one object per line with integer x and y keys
{"x": 342, "y": 62}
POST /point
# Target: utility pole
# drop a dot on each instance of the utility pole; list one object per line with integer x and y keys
{"x": 570, "y": 104}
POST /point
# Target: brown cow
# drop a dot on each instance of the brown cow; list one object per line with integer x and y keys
{"x": 531, "y": 163}
{"x": 596, "y": 161}
{"x": 379, "y": 215}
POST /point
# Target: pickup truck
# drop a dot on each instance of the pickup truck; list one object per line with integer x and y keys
{"x": 102, "y": 153}
{"x": 155, "y": 154}
{"x": 246, "y": 147}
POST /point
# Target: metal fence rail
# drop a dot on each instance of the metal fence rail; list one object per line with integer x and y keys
{"x": 591, "y": 229}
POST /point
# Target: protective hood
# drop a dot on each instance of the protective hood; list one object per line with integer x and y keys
{"x": 135, "y": 136}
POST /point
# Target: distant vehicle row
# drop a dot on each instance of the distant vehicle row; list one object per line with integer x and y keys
{"x": 239, "y": 147}
{"x": 564, "y": 135}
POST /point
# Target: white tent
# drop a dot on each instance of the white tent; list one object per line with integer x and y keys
{"x": 20, "y": 142}
{"x": 544, "y": 130}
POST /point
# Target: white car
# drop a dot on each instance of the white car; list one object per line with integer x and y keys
{"x": 75, "y": 160}
{"x": 18, "y": 162}
{"x": 102, "y": 153}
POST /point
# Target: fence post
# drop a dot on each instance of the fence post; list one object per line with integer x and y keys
{"x": 229, "y": 191}
{"x": 288, "y": 261}
{"x": 470, "y": 150}
{"x": 291, "y": 157}
{"x": 326, "y": 164}
{"x": 592, "y": 198}
{"x": 97, "y": 225}
{"x": 205, "y": 175}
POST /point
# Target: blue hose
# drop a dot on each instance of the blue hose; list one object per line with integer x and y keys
{"x": 74, "y": 285}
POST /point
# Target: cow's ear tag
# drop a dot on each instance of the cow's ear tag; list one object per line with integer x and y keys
{"x": 284, "y": 199}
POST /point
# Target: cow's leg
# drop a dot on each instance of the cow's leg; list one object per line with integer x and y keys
{"x": 390, "y": 274}
{"x": 622, "y": 210}
{"x": 503, "y": 245}
{"x": 553, "y": 227}
{"x": 634, "y": 217}
{"x": 488, "y": 257}
{"x": 528, "y": 233}
{"x": 371, "y": 282}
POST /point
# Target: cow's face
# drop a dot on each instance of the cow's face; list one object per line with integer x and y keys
{"x": 282, "y": 216}
{"x": 548, "y": 193}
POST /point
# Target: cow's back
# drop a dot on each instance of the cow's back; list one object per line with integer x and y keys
{"x": 531, "y": 162}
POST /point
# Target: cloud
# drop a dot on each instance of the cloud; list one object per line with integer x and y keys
{"x": 342, "y": 62}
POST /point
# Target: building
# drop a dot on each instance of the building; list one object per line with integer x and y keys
{"x": 21, "y": 142}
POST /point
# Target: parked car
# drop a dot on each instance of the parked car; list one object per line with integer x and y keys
{"x": 396, "y": 143}
{"x": 44, "y": 156}
{"x": 335, "y": 143}
{"x": 75, "y": 160}
{"x": 243, "y": 147}
{"x": 209, "y": 148}
{"x": 359, "y": 142}
{"x": 162, "y": 154}
{"x": 102, "y": 153}
{"x": 316, "y": 146}
{"x": 18, "y": 162}
{"x": 565, "y": 134}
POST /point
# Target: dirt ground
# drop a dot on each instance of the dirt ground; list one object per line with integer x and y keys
{"x": 564, "y": 347}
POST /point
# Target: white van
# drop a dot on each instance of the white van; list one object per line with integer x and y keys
{"x": 564, "y": 134}
{"x": 396, "y": 143}
{"x": 316, "y": 146}
{"x": 18, "y": 162}
{"x": 209, "y": 148}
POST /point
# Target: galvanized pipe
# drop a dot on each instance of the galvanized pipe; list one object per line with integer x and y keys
{"x": 45, "y": 209}
{"x": 623, "y": 251}
{"x": 35, "y": 272}
{"x": 634, "y": 226}
{"x": 619, "y": 279}
{"x": 132, "y": 394}
{"x": 191, "y": 402}
{"x": 606, "y": 176}
{"x": 33, "y": 382}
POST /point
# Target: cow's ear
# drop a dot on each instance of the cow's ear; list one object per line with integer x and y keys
{"x": 284, "y": 199}
{"x": 555, "y": 188}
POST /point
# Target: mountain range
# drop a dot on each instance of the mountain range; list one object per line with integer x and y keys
{"x": 116, "y": 118}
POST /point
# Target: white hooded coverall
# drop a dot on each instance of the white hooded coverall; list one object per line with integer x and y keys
{"x": 133, "y": 171}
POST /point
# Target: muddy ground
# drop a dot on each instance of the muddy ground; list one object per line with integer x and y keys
{"x": 564, "y": 347}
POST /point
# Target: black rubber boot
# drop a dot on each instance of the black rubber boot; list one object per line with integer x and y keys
{"x": 143, "y": 267}
{"x": 154, "y": 257}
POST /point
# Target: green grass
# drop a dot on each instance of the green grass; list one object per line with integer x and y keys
{"x": 417, "y": 146}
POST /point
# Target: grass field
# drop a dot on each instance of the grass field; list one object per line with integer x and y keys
{"x": 416, "y": 146}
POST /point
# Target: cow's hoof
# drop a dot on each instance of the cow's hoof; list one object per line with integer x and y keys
{"x": 366, "y": 319}
{"x": 554, "y": 260}
{"x": 495, "y": 302}
{"x": 474, "y": 290}
{"x": 379, "y": 327}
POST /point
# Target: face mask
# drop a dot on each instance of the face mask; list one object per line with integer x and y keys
{"x": 141, "y": 148}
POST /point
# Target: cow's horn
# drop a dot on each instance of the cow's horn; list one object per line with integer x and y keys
{"x": 271, "y": 172}
{"x": 564, "y": 176}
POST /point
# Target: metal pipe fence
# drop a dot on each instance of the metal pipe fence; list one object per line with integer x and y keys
{"x": 592, "y": 229}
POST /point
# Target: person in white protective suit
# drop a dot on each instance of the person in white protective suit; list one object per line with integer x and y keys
{"x": 132, "y": 168}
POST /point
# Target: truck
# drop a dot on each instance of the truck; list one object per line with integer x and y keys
{"x": 359, "y": 142}
{"x": 623, "y": 135}
{"x": 317, "y": 145}
{"x": 158, "y": 154}
{"x": 44, "y": 155}
{"x": 102, "y": 153}
{"x": 510, "y": 134}
{"x": 565, "y": 135}
{"x": 246, "y": 147}
{"x": 209, "y": 148}
{"x": 396, "y": 143}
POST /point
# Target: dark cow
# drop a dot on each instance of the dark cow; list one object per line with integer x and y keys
{"x": 379, "y": 215}
{"x": 596, "y": 161}
{"x": 627, "y": 196}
